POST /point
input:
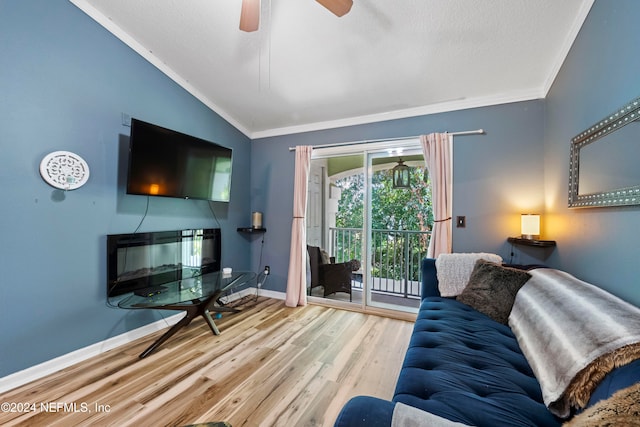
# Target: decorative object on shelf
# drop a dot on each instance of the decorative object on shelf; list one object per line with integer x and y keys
{"x": 530, "y": 226}
{"x": 64, "y": 170}
{"x": 256, "y": 219}
{"x": 401, "y": 175}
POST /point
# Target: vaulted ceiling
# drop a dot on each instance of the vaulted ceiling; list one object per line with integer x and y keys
{"x": 306, "y": 69}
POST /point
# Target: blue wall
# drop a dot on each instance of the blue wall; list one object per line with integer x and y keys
{"x": 521, "y": 165}
{"x": 64, "y": 82}
{"x": 490, "y": 188}
{"x": 600, "y": 75}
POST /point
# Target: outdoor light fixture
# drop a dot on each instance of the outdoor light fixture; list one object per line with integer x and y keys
{"x": 530, "y": 226}
{"x": 401, "y": 175}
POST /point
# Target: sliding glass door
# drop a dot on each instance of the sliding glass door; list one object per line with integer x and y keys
{"x": 335, "y": 218}
{"x": 371, "y": 231}
{"x": 395, "y": 228}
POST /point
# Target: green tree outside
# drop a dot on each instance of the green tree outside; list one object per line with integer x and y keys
{"x": 393, "y": 210}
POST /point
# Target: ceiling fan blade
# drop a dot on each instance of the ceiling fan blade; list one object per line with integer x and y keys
{"x": 337, "y": 7}
{"x": 250, "y": 15}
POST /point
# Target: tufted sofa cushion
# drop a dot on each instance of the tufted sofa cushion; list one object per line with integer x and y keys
{"x": 463, "y": 366}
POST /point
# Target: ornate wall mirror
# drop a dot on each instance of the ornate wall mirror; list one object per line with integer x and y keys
{"x": 604, "y": 167}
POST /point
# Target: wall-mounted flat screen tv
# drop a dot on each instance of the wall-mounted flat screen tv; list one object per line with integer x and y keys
{"x": 164, "y": 162}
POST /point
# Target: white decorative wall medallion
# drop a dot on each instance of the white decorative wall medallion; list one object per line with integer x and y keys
{"x": 64, "y": 170}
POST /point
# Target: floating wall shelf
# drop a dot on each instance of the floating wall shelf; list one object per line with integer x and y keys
{"x": 251, "y": 230}
{"x": 532, "y": 242}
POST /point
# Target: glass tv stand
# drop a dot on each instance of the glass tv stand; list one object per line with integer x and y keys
{"x": 195, "y": 295}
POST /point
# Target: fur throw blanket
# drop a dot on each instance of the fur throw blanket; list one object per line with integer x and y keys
{"x": 572, "y": 334}
{"x": 621, "y": 409}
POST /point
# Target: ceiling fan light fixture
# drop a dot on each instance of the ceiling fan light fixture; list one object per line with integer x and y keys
{"x": 250, "y": 15}
{"x": 337, "y": 7}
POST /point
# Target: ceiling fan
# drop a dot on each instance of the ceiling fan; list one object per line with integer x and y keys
{"x": 250, "y": 12}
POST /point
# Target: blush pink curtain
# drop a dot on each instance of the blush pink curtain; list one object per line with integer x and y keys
{"x": 438, "y": 152}
{"x": 297, "y": 277}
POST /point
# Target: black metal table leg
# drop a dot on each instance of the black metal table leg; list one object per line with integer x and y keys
{"x": 191, "y": 313}
{"x": 198, "y": 308}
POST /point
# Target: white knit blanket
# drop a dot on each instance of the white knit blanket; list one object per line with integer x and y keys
{"x": 563, "y": 324}
{"x": 454, "y": 270}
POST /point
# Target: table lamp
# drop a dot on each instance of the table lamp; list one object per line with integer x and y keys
{"x": 530, "y": 226}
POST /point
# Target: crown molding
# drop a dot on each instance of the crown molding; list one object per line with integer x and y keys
{"x": 443, "y": 107}
{"x": 581, "y": 17}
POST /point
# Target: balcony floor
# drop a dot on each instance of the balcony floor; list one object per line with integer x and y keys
{"x": 377, "y": 297}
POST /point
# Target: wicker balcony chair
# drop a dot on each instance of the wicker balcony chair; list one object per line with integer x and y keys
{"x": 331, "y": 276}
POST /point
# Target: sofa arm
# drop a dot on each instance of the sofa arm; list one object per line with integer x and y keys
{"x": 366, "y": 411}
{"x": 429, "y": 284}
{"x": 618, "y": 379}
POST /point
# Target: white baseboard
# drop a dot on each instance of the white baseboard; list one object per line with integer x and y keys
{"x": 53, "y": 365}
{"x": 43, "y": 369}
{"x": 271, "y": 294}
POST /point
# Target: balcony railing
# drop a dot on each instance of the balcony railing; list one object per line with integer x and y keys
{"x": 395, "y": 257}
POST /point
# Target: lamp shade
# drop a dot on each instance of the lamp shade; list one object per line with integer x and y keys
{"x": 530, "y": 226}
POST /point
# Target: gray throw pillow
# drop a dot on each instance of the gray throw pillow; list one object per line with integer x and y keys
{"x": 492, "y": 289}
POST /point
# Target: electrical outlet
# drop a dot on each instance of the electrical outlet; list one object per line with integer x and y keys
{"x": 266, "y": 271}
{"x": 461, "y": 221}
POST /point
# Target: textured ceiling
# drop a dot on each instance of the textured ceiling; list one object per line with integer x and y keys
{"x": 306, "y": 69}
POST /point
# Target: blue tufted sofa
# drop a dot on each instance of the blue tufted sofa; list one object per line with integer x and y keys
{"x": 464, "y": 367}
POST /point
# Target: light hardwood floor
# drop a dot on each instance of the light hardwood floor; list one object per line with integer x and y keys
{"x": 271, "y": 366}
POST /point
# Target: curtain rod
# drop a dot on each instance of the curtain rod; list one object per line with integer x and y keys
{"x": 367, "y": 141}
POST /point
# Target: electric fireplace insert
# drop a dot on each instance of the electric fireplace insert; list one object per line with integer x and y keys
{"x": 142, "y": 262}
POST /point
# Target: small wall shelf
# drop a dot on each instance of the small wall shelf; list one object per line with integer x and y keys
{"x": 251, "y": 230}
{"x": 530, "y": 242}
